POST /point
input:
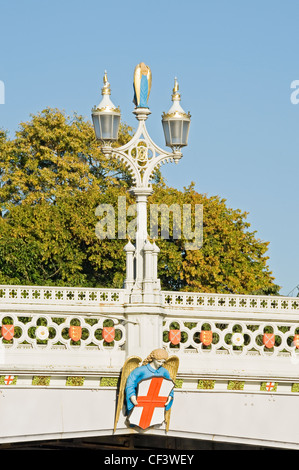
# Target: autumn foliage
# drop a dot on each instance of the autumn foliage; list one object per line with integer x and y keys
{"x": 53, "y": 176}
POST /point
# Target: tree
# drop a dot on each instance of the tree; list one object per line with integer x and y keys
{"x": 53, "y": 177}
{"x": 231, "y": 260}
{"x": 53, "y": 156}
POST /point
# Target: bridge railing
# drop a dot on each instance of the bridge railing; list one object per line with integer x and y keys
{"x": 67, "y": 328}
{"x": 86, "y": 328}
{"x": 231, "y": 302}
{"x": 233, "y": 335}
{"x": 60, "y": 295}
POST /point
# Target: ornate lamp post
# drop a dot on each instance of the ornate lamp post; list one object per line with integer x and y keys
{"x": 142, "y": 157}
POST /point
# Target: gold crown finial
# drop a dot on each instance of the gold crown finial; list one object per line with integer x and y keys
{"x": 175, "y": 92}
{"x": 106, "y": 88}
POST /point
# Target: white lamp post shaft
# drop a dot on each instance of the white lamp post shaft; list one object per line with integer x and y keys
{"x": 141, "y": 233}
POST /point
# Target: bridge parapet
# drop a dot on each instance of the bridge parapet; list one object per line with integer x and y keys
{"x": 56, "y": 296}
{"x": 231, "y": 303}
{"x": 61, "y": 328}
{"x": 50, "y": 295}
{"x": 215, "y": 335}
{"x": 253, "y": 340}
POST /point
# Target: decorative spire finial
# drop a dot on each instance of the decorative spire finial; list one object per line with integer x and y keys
{"x": 106, "y": 88}
{"x": 175, "y": 92}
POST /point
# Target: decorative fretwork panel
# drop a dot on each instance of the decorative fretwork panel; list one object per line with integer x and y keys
{"x": 60, "y": 295}
{"x": 75, "y": 332}
{"x": 226, "y": 302}
{"x": 231, "y": 336}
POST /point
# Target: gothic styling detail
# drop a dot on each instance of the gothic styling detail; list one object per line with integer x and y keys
{"x": 142, "y": 156}
{"x": 133, "y": 373}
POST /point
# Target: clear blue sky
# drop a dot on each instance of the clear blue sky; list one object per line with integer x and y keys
{"x": 235, "y": 61}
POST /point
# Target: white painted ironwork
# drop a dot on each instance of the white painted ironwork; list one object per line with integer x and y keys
{"x": 55, "y": 332}
{"x": 238, "y": 337}
{"x": 142, "y": 158}
{"x": 141, "y": 155}
{"x": 171, "y": 300}
{"x": 60, "y": 295}
{"x": 231, "y": 302}
{"x": 42, "y": 317}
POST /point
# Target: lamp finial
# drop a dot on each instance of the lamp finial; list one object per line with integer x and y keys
{"x": 106, "y": 88}
{"x": 175, "y": 92}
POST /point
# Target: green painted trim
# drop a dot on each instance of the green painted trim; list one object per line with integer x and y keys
{"x": 41, "y": 380}
{"x": 74, "y": 381}
{"x": 235, "y": 385}
{"x": 206, "y": 384}
{"x": 178, "y": 383}
{"x": 108, "y": 382}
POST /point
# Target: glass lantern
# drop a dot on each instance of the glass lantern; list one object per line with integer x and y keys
{"x": 176, "y": 122}
{"x": 105, "y": 116}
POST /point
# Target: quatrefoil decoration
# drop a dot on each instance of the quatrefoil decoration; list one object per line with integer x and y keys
{"x": 142, "y": 154}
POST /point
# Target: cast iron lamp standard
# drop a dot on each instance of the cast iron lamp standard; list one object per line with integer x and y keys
{"x": 142, "y": 157}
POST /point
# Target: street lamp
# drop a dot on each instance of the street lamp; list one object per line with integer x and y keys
{"x": 106, "y": 117}
{"x": 176, "y": 122}
{"x": 141, "y": 157}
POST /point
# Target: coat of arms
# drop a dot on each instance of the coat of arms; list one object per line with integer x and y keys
{"x": 152, "y": 396}
{"x": 75, "y": 332}
{"x": 7, "y": 331}
{"x": 269, "y": 340}
{"x": 175, "y": 336}
{"x": 146, "y": 389}
{"x": 108, "y": 334}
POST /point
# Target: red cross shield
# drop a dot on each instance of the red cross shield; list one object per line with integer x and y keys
{"x": 269, "y": 340}
{"x": 75, "y": 332}
{"x": 152, "y": 395}
{"x": 7, "y": 331}
{"x": 8, "y": 379}
{"x": 174, "y": 336}
{"x": 108, "y": 334}
{"x": 206, "y": 337}
{"x": 270, "y": 386}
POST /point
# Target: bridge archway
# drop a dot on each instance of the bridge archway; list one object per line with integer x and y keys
{"x": 130, "y": 442}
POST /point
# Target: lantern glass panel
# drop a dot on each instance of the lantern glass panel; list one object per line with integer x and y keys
{"x": 116, "y": 122}
{"x": 106, "y": 124}
{"x": 176, "y": 131}
{"x": 186, "y": 126}
{"x": 166, "y": 132}
{"x": 96, "y": 125}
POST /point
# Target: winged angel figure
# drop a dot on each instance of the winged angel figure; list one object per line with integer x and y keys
{"x": 157, "y": 364}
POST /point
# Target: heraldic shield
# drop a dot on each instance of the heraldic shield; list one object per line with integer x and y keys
{"x": 152, "y": 395}
{"x": 153, "y": 387}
